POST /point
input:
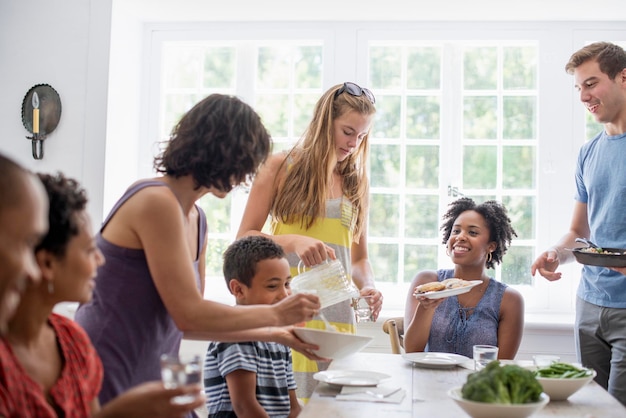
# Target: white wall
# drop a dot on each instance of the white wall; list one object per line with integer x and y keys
{"x": 63, "y": 43}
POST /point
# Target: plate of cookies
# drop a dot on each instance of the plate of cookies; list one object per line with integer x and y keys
{"x": 445, "y": 288}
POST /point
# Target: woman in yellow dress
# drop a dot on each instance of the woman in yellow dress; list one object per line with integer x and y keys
{"x": 317, "y": 195}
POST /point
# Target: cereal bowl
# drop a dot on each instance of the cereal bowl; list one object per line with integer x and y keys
{"x": 332, "y": 344}
{"x": 497, "y": 410}
{"x": 559, "y": 389}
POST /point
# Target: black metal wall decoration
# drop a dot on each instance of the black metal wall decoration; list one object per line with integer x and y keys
{"x": 41, "y": 112}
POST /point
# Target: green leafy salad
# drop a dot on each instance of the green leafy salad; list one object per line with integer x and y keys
{"x": 562, "y": 371}
{"x": 509, "y": 384}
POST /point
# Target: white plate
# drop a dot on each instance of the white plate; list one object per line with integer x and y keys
{"x": 350, "y": 377}
{"x": 450, "y": 292}
{"x": 435, "y": 360}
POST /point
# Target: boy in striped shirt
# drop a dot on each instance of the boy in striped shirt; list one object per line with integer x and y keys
{"x": 252, "y": 379}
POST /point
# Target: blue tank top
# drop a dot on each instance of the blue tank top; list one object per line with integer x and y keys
{"x": 453, "y": 331}
{"x": 126, "y": 318}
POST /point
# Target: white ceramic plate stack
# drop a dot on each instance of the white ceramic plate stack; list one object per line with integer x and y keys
{"x": 350, "y": 377}
{"x": 435, "y": 360}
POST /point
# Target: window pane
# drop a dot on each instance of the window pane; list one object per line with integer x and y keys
{"x": 273, "y": 110}
{"x": 518, "y": 167}
{"x": 521, "y": 210}
{"x": 274, "y": 66}
{"x": 217, "y": 212}
{"x": 422, "y": 166}
{"x": 214, "y": 260}
{"x": 479, "y": 167}
{"x": 516, "y": 266}
{"x": 381, "y": 206}
{"x": 422, "y": 216}
{"x": 520, "y": 118}
{"x": 593, "y": 128}
{"x": 480, "y": 120}
{"x": 417, "y": 258}
{"x": 520, "y": 68}
{"x": 385, "y": 259}
{"x": 220, "y": 68}
{"x": 303, "y": 111}
{"x": 308, "y": 66}
{"x": 385, "y": 165}
{"x": 175, "y": 106}
{"x": 385, "y": 68}
{"x": 387, "y": 119}
{"x": 182, "y": 65}
{"x": 422, "y": 117}
{"x": 480, "y": 68}
{"x": 424, "y": 68}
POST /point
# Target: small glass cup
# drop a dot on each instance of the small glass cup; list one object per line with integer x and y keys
{"x": 177, "y": 372}
{"x": 545, "y": 360}
{"x": 483, "y": 355}
{"x": 362, "y": 309}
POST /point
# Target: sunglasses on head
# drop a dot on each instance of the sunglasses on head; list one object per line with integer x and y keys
{"x": 356, "y": 90}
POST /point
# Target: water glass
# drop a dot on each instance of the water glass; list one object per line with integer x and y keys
{"x": 176, "y": 371}
{"x": 362, "y": 310}
{"x": 483, "y": 355}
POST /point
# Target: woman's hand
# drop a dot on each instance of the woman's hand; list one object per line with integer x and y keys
{"x": 312, "y": 251}
{"x": 297, "y": 308}
{"x": 152, "y": 400}
{"x": 429, "y": 304}
{"x": 374, "y": 299}
{"x": 287, "y": 336}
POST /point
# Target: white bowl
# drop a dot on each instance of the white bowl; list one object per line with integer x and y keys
{"x": 332, "y": 344}
{"x": 497, "y": 410}
{"x": 559, "y": 389}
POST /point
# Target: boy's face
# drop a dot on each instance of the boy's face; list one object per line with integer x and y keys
{"x": 270, "y": 284}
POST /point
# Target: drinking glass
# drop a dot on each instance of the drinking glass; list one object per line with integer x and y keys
{"x": 362, "y": 309}
{"x": 176, "y": 371}
{"x": 483, "y": 355}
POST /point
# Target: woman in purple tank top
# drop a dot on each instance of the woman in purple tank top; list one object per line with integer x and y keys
{"x": 476, "y": 238}
{"x": 149, "y": 291}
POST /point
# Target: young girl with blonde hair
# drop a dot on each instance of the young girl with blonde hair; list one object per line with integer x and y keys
{"x": 317, "y": 195}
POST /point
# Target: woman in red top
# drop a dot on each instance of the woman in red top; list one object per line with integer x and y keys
{"x": 48, "y": 366}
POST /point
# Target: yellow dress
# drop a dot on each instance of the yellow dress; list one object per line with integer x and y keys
{"x": 334, "y": 230}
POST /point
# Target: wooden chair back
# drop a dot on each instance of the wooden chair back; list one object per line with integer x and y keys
{"x": 395, "y": 328}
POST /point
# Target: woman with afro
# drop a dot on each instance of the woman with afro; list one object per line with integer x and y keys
{"x": 476, "y": 238}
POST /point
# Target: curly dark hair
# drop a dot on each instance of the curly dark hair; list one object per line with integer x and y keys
{"x": 500, "y": 229}
{"x": 242, "y": 256}
{"x": 221, "y": 142}
{"x": 67, "y": 199}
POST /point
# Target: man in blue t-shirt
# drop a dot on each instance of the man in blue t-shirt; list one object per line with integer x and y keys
{"x": 599, "y": 71}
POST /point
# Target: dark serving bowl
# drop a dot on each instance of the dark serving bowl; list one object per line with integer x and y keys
{"x": 602, "y": 260}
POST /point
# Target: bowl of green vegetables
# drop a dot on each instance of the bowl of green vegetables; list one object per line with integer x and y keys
{"x": 498, "y": 391}
{"x": 561, "y": 380}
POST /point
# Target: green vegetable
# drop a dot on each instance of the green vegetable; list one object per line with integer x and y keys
{"x": 508, "y": 384}
{"x": 562, "y": 371}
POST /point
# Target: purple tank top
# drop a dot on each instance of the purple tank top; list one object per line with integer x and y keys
{"x": 126, "y": 319}
{"x": 453, "y": 331}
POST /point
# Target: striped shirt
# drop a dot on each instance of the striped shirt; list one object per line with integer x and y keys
{"x": 271, "y": 362}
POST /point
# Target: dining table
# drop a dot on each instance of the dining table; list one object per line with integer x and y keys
{"x": 425, "y": 392}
